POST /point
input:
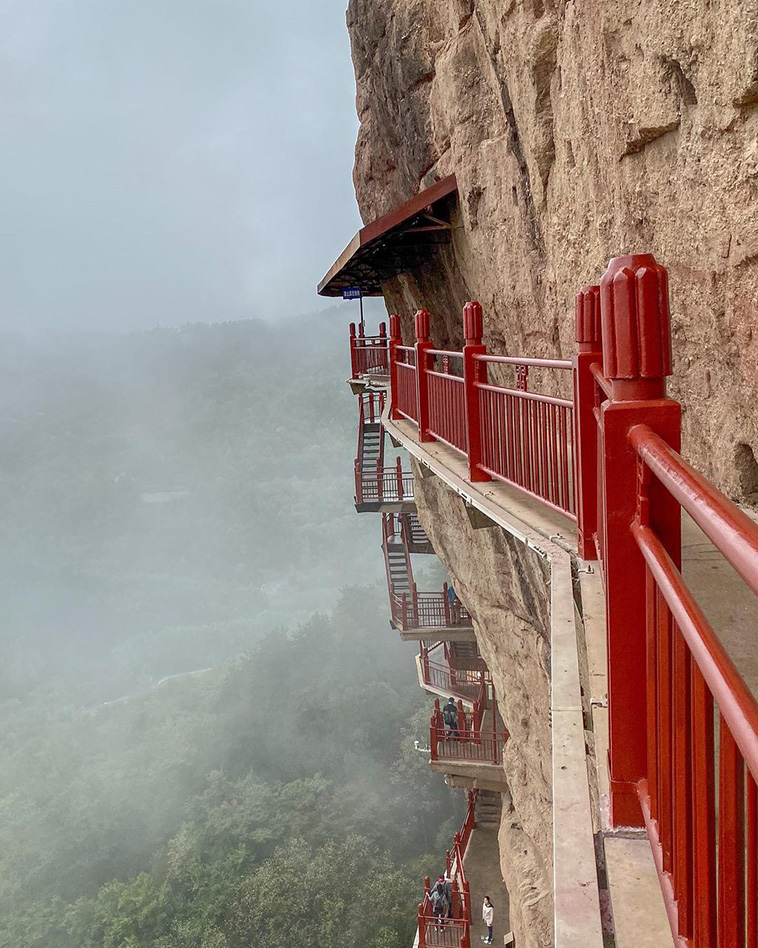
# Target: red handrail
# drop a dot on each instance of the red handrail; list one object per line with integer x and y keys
{"x": 609, "y": 457}
{"x": 705, "y": 841}
{"x": 427, "y": 610}
{"x": 466, "y": 742}
{"x": 522, "y": 438}
{"x": 454, "y": 931}
{"x": 466, "y": 684}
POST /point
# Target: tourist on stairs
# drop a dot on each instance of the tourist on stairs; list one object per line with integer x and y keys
{"x": 440, "y": 904}
{"x": 450, "y": 718}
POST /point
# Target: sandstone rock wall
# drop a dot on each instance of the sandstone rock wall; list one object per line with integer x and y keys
{"x": 579, "y": 131}
{"x": 506, "y": 585}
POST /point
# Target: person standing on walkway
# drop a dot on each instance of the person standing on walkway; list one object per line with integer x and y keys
{"x": 488, "y": 915}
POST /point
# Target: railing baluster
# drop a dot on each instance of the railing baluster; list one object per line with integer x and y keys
{"x": 731, "y": 843}
{"x": 682, "y": 783}
{"x": 664, "y": 729}
{"x": 653, "y": 701}
{"x": 751, "y": 857}
{"x": 703, "y": 812}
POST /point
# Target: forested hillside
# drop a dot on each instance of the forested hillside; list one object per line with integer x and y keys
{"x": 178, "y": 501}
{"x": 277, "y": 801}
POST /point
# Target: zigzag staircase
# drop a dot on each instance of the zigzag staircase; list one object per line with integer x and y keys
{"x": 418, "y": 616}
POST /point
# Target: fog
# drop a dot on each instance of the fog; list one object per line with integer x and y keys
{"x": 171, "y": 161}
{"x": 202, "y": 704}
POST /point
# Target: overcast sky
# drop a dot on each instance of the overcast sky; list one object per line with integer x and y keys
{"x": 166, "y": 161}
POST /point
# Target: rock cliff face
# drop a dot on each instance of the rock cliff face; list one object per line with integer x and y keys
{"x": 507, "y": 585}
{"x": 578, "y": 131}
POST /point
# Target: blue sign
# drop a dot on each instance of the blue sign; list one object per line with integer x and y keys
{"x": 351, "y": 293}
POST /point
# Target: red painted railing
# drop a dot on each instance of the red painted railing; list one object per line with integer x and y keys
{"x": 468, "y": 742}
{"x": 683, "y": 724}
{"x": 468, "y": 685}
{"x": 369, "y": 355}
{"x": 526, "y": 438}
{"x": 427, "y": 610}
{"x": 413, "y": 609}
{"x": 454, "y": 931}
{"x": 516, "y": 436}
{"x": 370, "y": 406}
{"x": 404, "y": 368}
{"x": 386, "y": 485}
{"x": 699, "y": 796}
{"x": 447, "y": 410}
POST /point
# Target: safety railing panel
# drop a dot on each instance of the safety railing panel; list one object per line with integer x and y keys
{"x": 463, "y": 684}
{"x": 428, "y": 610}
{"x": 404, "y": 389}
{"x": 465, "y": 740}
{"x": 526, "y": 437}
{"x": 445, "y": 388}
{"x": 371, "y": 407}
{"x": 523, "y": 438}
{"x": 385, "y": 485}
{"x": 369, "y": 355}
{"x": 486, "y": 748}
{"x": 699, "y": 795}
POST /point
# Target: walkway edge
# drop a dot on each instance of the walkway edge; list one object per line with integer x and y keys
{"x": 577, "y": 915}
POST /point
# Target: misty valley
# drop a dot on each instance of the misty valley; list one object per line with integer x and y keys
{"x": 177, "y": 502}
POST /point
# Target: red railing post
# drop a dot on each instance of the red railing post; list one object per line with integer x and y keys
{"x": 434, "y": 729}
{"x": 421, "y": 926}
{"x": 379, "y": 481}
{"x": 466, "y": 936}
{"x": 425, "y": 663}
{"x": 445, "y": 605}
{"x": 585, "y": 426}
{"x": 462, "y": 725}
{"x": 399, "y": 478}
{"x": 636, "y": 346}
{"x": 353, "y": 353}
{"x": 423, "y": 344}
{"x": 358, "y": 482}
{"x": 394, "y": 342}
{"x": 414, "y": 606}
{"x": 456, "y": 900}
{"x": 473, "y": 372}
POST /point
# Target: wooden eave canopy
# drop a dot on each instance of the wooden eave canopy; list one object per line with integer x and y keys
{"x": 394, "y": 243}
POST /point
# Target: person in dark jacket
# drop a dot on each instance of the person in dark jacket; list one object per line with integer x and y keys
{"x": 450, "y": 719}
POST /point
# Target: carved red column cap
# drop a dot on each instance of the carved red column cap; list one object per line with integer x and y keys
{"x": 382, "y": 329}
{"x": 635, "y": 319}
{"x": 473, "y": 323}
{"x": 395, "y": 328}
{"x": 352, "y": 329}
{"x": 422, "y": 325}
{"x": 588, "y": 318}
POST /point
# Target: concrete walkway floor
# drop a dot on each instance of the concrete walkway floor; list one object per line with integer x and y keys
{"x": 482, "y": 865}
{"x": 728, "y": 604}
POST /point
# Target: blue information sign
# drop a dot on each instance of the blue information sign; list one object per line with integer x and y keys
{"x": 351, "y": 293}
